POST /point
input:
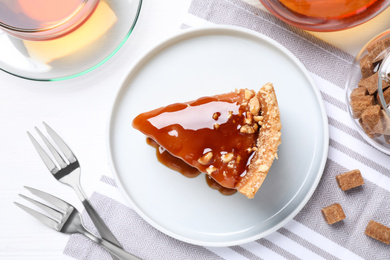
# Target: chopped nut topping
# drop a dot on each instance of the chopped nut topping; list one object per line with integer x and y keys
{"x": 216, "y": 126}
{"x": 230, "y": 114}
{"x": 248, "y": 94}
{"x": 254, "y": 105}
{"x": 258, "y": 118}
{"x": 216, "y": 115}
{"x": 231, "y": 164}
{"x": 206, "y": 158}
{"x": 227, "y": 157}
{"x": 248, "y": 118}
{"x": 211, "y": 169}
{"x": 247, "y": 129}
{"x": 251, "y": 149}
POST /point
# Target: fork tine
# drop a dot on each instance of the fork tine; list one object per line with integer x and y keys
{"x": 44, "y": 219}
{"x": 55, "y": 213}
{"x": 61, "y": 144}
{"x": 59, "y": 203}
{"x": 46, "y": 159}
{"x": 53, "y": 150}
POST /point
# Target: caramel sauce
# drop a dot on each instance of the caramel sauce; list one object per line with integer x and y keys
{"x": 173, "y": 162}
{"x": 207, "y": 125}
{"x": 187, "y": 170}
{"x": 328, "y": 9}
{"x": 216, "y": 186}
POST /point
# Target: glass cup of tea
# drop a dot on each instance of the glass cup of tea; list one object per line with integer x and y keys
{"x": 325, "y": 16}
{"x": 368, "y": 92}
{"x": 51, "y": 40}
{"x": 44, "y": 19}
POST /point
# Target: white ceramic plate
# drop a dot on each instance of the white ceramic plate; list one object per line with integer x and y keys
{"x": 210, "y": 61}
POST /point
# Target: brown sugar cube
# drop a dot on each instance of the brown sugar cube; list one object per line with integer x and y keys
{"x": 373, "y": 47}
{"x": 367, "y": 130}
{"x": 386, "y": 96}
{"x": 366, "y": 66}
{"x": 377, "y": 56}
{"x": 379, "y": 46}
{"x": 359, "y": 104}
{"x": 378, "y": 231}
{"x": 333, "y": 213}
{"x": 371, "y": 83}
{"x": 349, "y": 180}
{"x": 358, "y": 92}
{"x": 372, "y": 120}
{"x": 385, "y": 85}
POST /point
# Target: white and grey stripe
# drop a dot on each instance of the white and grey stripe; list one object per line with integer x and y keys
{"x": 279, "y": 250}
{"x": 307, "y": 244}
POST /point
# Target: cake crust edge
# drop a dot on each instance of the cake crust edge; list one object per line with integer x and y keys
{"x": 267, "y": 143}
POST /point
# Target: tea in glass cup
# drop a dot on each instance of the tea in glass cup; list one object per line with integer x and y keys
{"x": 43, "y": 19}
{"x": 325, "y": 15}
{"x": 50, "y": 40}
{"x": 328, "y": 9}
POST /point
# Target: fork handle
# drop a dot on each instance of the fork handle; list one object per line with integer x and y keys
{"x": 101, "y": 227}
{"x": 110, "y": 247}
{"x": 104, "y": 231}
{"x": 118, "y": 251}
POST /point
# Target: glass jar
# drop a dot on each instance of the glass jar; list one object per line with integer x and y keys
{"x": 368, "y": 92}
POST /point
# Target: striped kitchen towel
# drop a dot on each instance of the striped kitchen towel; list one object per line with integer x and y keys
{"x": 307, "y": 236}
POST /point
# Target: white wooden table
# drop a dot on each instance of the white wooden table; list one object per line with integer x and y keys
{"x": 79, "y": 109}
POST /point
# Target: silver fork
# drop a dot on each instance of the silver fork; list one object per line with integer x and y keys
{"x": 66, "y": 219}
{"x": 68, "y": 173}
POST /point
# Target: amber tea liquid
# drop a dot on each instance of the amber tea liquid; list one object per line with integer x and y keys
{"x": 328, "y": 9}
{"x": 57, "y": 17}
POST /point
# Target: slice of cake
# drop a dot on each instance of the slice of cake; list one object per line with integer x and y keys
{"x": 232, "y": 137}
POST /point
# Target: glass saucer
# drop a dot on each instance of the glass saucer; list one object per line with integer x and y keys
{"x": 77, "y": 53}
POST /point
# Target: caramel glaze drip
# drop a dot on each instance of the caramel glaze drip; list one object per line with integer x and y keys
{"x": 205, "y": 134}
{"x": 187, "y": 170}
{"x": 173, "y": 162}
{"x": 215, "y": 185}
